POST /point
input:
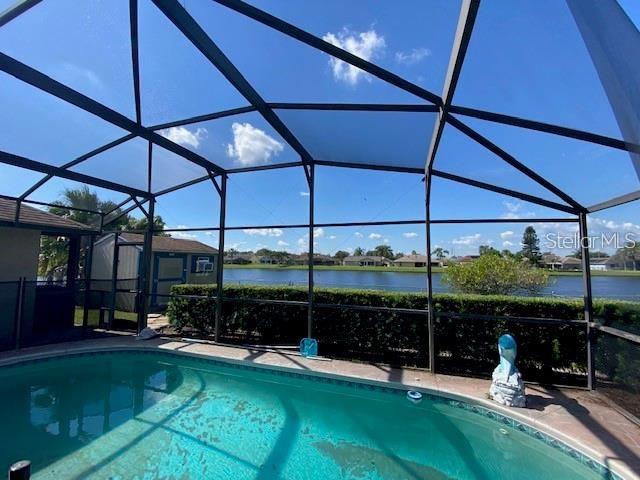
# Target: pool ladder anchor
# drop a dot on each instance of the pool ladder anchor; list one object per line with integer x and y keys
{"x": 20, "y": 470}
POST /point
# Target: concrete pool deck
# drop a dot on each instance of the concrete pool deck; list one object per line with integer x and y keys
{"x": 580, "y": 418}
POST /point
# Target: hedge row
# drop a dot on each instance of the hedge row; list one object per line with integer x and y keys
{"x": 550, "y": 352}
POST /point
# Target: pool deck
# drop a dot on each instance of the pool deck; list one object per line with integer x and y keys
{"x": 580, "y": 418}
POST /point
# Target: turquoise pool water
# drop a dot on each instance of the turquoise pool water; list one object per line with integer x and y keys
{"x": 148, "y": 415}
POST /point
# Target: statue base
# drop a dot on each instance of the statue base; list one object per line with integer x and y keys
{"x": 509, "y": 391}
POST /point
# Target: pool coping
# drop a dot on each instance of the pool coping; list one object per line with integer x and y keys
{"x": 591, "y": 458}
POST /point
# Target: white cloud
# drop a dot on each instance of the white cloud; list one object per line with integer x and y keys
{"x": 603, "y": 224}
{"x": 467, "y": 239}
{"x": 185, "y": 137}
{"x": 282, "y": 243}
{"x": 358, "y": 235}
{"x": 507, "y": 243}
{"x": 263, "y": 232}
{"x": 332, "y": 237}
{"x": 514, "y": 211}
{"x": 375, "y": 236}
{"x": 252, "y": 146}
{"x": 304, "y": 194}
{"x": 386, "y": 241}
{"x": 318, "y": 232}
{"x": 236, "y": 246}
{"x": 413, "y": 56}
{"x": 184, "y": 235}
{"x": 71, "y": 70}
{"x": 410, "y": 235}
{"x": 366, "y": 45}
{"x": 507, "y": 234}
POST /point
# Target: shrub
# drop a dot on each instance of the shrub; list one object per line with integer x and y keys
{"x": 464, "y": 343}
{"x": 495, "y": 275}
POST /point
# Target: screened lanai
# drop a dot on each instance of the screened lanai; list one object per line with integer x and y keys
{"x": 147, "y": 99}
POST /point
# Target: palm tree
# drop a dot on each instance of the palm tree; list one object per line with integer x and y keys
{"x": 440, "y": 253}
{"x": 54, "y": 251}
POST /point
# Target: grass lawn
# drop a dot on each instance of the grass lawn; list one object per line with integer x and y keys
{"x": 614, "y": 273}
{"x": 94, "y": 317}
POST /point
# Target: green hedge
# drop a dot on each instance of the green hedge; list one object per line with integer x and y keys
{"x": 550, "y": 352}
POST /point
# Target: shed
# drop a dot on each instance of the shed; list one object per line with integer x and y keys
{"x": 174, "y": 261}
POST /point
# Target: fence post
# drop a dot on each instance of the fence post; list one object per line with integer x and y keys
{"x": 220, "y": 269}
{"x": 311, "y": 231}
{"x": 588, "y": 296}
{"x": 19, "y": 310}
{"x": 430, "y": 313}
{"x": 88, "y": 264}
{"x": 114, "y": 280}
{"x": 147, "y": 252}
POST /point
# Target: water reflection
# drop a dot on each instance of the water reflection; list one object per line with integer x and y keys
{"x": 51, "y": 409}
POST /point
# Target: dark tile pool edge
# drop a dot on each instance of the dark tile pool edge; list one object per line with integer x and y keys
{"x": 463, "y": 402}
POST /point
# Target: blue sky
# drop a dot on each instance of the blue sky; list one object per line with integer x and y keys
{"x": 528, "y": 62}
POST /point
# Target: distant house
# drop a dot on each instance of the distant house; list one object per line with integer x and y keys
{"x": 366, "y": 261}
{"x": 571, "y": 263}
{"x": 616, "y": 262}
{"x": 318, "y": 259}
{"x": 603, "y": 264}
{"x": 552, "y": 261}
{"x": 265, "y": 260}
{"x": 174, "y": 261}
{"x": 417, "y": 261}
{"x": 238, "y": 258}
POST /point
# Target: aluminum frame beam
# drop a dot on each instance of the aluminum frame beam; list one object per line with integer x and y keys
{"x": 16, "y": 10}
{"x": 356, "y": 107}
{"x": 511, "y": 160}
{"x": 326, "y": 47}
{"x": 205, "y": 45}
{"x": 615, "y": 202}
{"x": 23, "y": 162}
{"x": 204, "y": 118}
{"x": 77, "y": 161}
{"x": 466, "y": 21}
{"x": 47, "y": 84}
{"x": 135, "y": 62}
{"x": 504, "y": 191}
{"x": 545, "y": 127}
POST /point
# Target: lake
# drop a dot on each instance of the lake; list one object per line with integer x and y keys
{"x": 618, "y": 287}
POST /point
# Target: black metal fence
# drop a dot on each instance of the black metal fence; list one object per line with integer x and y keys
{"x": 550, "y": 350}
{"x": 617, "y": 363}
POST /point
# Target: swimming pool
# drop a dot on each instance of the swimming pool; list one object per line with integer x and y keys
{"x": 161, "y": 415}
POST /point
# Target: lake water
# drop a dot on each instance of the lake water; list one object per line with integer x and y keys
{"x": 623, "y": 288}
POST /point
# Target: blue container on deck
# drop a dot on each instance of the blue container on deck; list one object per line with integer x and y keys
{"x": 309, "y": 347}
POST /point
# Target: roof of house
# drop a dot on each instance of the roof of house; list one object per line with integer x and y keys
{"x": 170, "y": 244}
{"x": 601, "y": 261}
{"x": 33, "y": 217}
{"x": 412, "y": 259}
{"x": 571, "y": 261}
{"x": 550, "y": 258}
{"x": 360, "y": 258}
{"x": 315, "y": 255}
